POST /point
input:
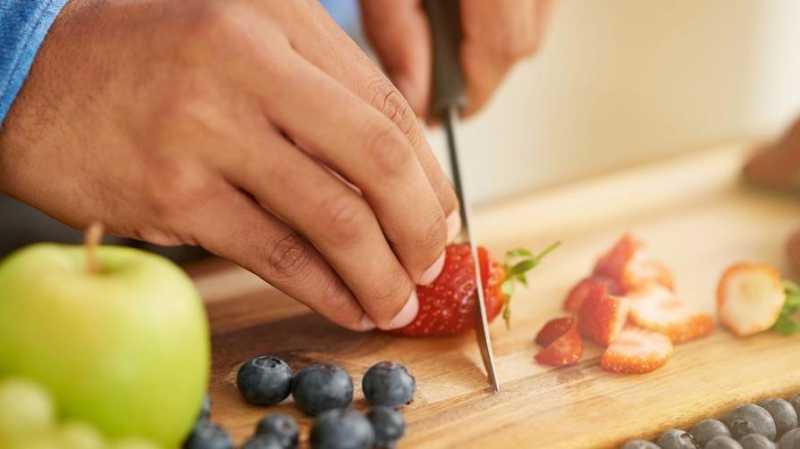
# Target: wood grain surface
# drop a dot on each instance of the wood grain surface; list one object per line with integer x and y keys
{"x": 695, "y": 217}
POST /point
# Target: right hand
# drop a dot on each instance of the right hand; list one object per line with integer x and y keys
{"x": 233, "y": 125}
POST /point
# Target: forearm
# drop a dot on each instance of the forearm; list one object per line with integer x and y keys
{"x": 23, "y": 27}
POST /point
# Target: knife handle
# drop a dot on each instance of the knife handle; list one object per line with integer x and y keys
{"x": 448, "y": 79}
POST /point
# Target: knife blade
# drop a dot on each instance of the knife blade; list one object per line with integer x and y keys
{"x": 449, "y": 98}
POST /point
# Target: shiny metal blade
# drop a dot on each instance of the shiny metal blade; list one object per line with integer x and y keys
{"x": 482, "y": 330}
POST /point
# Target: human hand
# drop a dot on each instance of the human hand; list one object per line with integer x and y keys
{"x": 233, "y": 125}
{"x": 496, "y": 35}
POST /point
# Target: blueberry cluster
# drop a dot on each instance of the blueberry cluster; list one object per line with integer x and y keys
{"x": 206, "y": 434}
{"x": 322, "y": 391}
{"x": 770, "y": 424}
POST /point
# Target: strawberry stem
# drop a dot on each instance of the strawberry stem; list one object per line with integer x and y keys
{"x": 518, "y": 263}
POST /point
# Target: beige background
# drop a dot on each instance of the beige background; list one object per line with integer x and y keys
{"x": 623, "y": 81}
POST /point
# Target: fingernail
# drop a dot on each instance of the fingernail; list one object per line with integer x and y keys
{"x": 407, "y": 314}
{"x": 366, "y": 323}
{"x": 453, "y": 225}
{"x": 433, "y": 271}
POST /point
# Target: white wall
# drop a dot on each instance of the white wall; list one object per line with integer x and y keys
{"x": 623, "y": 81}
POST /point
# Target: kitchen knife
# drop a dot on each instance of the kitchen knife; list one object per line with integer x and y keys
{"x": 449, "y": 98}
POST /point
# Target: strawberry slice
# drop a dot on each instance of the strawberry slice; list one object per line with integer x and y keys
{"x": 628, "y": 263}
{"x": 575, "y": 297}
{"x": 602, "y": 316}
{"x": 750, "y": 297}
{"x": 637, "y": 351}
{"x": 564, "y": 350}
{"x": 656, "y": 308}
{"x": 554, "y": 329}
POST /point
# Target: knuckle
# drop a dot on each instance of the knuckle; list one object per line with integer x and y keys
{"x": 387, "y": 148}
{"x": 346, "y": 219}
{"x": 391, "y": 103}
{"x": 288, "y": 257}
{"x": 211, "y": 20}
{"x": 176, "y": 190}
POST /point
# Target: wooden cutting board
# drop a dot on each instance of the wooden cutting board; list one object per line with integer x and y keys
{"x": 695, "y": 217}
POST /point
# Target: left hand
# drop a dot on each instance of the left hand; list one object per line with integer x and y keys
{"x": 496, "y": 35}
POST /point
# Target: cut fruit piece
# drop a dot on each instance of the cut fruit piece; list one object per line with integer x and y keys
{"x": 750, "y": 297}
{"x": 565, "y": 350}
{"x": 602, "y": 316}
{"x": 575, "y": 297}
{"x": 628, "y": 263}
{"x": 637, "y": 351}
{"x": 554, "y": 329}
{"x": 656, "y": 308}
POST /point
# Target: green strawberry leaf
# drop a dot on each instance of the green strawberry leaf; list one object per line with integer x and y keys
{"x": 788, "y": 321}
{"x": 519, "y": 252}
{"x": 521, "y": 268}
{"x": 518, "y": 262}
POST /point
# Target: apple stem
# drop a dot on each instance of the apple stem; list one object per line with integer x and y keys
{"x": 94, "y": 235}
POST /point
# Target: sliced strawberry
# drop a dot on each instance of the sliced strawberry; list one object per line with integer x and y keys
{"x": 750, "y": 297}
{"x": 628, "y": 263}
{"x": 575, "y": 297}
{"x": 554, "y": 329}
{"x": 602, "y": 316}
{"x": 656, "y": 308}
{"x": 637, "y": 351}
{"x": 565, "y": 350}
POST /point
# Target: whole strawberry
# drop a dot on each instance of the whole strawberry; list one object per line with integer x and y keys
{"x": 447, "y": 306}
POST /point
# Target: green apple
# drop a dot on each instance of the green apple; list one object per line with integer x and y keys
{"x": 124, "y": 347}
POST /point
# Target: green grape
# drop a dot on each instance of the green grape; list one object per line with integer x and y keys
{"x": 133, "y": 443}
{"x": 78, "y": 435}
{"x": 25, "y": 409}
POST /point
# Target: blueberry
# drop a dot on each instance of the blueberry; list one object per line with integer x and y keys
{"x": 264, "y": 380}
{"x": 783, "y": 413}
{"x": 264, "y": 442}
{"x": 388, "y": 425}
{"x": 756, "y": 441}
{"x": 790, "y": 440}
{"x": 707, "y": 429}
{"x": 281, "y": 426}
{"x": 795, "y": 401}
{"x": 640, "y": 444}
{"x": 205, "y": 408}
{"x": 750, "y": 418}
{"x": 389, "y": 384}
{"x": 723, "y": 442}
{"x": 207, "y": 435}
{"x": 342, "y": 429}
{"x": 676, "y": 439}
{"x": 317, "y": 388}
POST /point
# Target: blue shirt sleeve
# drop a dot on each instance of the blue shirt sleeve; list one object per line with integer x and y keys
{"x": 23, "y": 27}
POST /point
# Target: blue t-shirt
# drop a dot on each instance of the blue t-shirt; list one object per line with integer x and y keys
{"x": 23, "y": 27}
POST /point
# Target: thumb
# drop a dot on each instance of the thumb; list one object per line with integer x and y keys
{"x": 400, "y": 34}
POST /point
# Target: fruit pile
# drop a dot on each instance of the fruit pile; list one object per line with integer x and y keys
{"x": 770, "y": 424}
{"x": 322, "y": 391}
{"x": 28, "y": 420}
{"x": 627, "y": 305}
